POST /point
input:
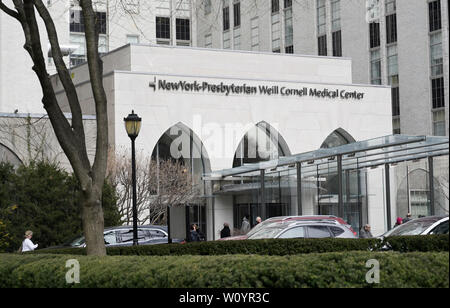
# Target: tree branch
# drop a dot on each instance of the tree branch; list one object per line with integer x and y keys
{"x": 96, "y": 75}
{"x": 9, "y": 11}
{"x": 63, "y": 73}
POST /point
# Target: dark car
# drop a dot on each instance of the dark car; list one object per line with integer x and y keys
{"x": 421, "y": 226}
{"x": 303, "y": 229}
{"x": 123, "y": 236}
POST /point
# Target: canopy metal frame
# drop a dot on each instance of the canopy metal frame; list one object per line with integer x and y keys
{"x": 369, "y": 154}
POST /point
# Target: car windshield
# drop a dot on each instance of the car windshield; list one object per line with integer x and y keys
{"x": 269, "y": 232}
{"x": 78, "y": 241}
{"x": 415, "y": 227}
{"x": 260, "y": 225}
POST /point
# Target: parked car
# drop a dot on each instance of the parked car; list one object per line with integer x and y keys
{"x": 421, "y": 226}
{"x": 123, "y": 236}
{"x": 303, "y": 229}
{"x": 317, "y": 218}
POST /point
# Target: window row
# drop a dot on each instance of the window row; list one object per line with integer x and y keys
{"x": 182, "y": 26}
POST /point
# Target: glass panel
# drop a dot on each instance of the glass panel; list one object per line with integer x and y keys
{"x": 298, "y": 232}
{"x": 318, "y": 232}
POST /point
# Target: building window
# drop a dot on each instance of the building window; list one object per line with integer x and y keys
{"x": 226, "y": 40}
{"x": 439, "y": 123}
{"x": 391, "y": 7}
{"x": 335, "y": 15}
{"x": 391, "y": 29}
{"x": 289, "y": 49}
{"x": 77, "y": 35}
{"x": 375, "y": 67}
{"x": 437, "y": 93}
{"x": 77, "y": 21}
{"x": 287, "y": 4}
{"x": 321, "y": 18}
{"x": 275, "y": 6}
{"x": 393, "y": 79}
{"x": 226, "y": 17}
{"x": 396, "y": 126}
{"x": 437, "y": 69}
{"x": 276, "y": 32}
{"x": 237, "y": 39}
{"x": 392, "y": 61}
{"x": 163, "y": 28}
{"x": 255, "y": 33}
{"x": 374, "y": 29}
{"x": 207, "y": 4}
{"x": 434, "y": 8}
{"x": 237, "y": 14}
{"x": 437, "y": 61}
{"x": 288, "y": 31}
{"x": 395, "y": 101}
{"x": 337, "y": 44}
{"x": 208, "y": 40}
{"x": 322, "y": 42}
{"x": 183, "y": 29}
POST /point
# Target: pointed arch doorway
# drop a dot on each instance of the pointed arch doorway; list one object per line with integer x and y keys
{"x": 262, "y": 143}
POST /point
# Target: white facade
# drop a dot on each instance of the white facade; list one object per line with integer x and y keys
{"x": 126, "y": 22}
{"x": 220, "y": 121}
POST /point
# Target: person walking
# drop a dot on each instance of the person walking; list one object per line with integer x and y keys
{"x": 245, "y": 227}
{"x": 365, "y": 232}
{"x": 226, "y": 232}
{"x": 258, "y": 220}
{"x": 27, "y": 244}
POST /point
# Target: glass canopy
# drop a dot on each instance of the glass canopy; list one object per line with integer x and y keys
{"x": 358, "y": 155}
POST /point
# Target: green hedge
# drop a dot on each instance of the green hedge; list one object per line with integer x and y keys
{"x": 339, "y": 269}
{"x": 418, "y": 243}
{"x": 278, "y": 247}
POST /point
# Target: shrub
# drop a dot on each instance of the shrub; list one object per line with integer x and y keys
{"x": 279, "y": 247}
{"x": 340, "y": 269}
{"x": 44, "y": 198}
{"x": 418, "y": 243}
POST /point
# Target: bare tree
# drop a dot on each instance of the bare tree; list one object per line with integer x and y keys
{"x": 71, "y": 136}
{"x": 158, "y": 186}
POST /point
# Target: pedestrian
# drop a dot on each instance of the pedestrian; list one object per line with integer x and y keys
{"x": 201, "y": 235}
{"x": 399, "y": 222}
{"x": 365, "y": 232}
{"x": 194, "y": 236}
{"x": 27, "y": 244}
{"x": 408, "y": 218}
{"x": 245, "y": 227}
{"x": 258, "y": 220}
{"x": 226, "y": 232}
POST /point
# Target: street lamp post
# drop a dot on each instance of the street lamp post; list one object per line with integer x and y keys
{"x": 133, "y": 126}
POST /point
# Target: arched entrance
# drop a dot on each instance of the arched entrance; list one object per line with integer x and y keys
{"x": 180, "y": 146}
{"x": 8, "y": 156}
{"x": 354, "y": 186}
{"x": 262, "y": 143}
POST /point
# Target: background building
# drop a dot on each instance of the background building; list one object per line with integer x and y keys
{"x": 400, "y": 43}
{"x": 167, "y": 22}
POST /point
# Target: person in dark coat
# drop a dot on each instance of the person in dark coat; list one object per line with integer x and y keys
{"x": 365, "y": 232}
{"x": 195, "y": 237}
{"x": 226, "y": 232}
{"x": 408, "y": 218}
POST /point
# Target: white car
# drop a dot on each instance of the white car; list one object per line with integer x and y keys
{"x": 421, "y": 226}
